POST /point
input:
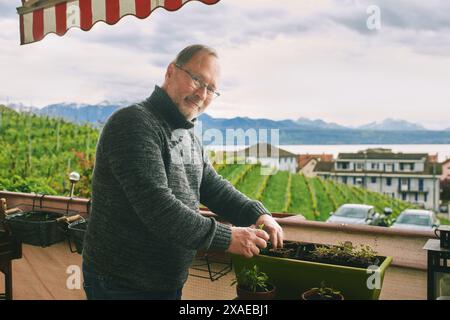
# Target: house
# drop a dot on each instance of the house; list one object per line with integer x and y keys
{"x": 303, "y": 159}
{"x": 269, "y": 156}
{"x": 308, "y": 162}
{"x": 405, "y": 176}
{"x": 445, "y": 170}
{"x": 433, "y": 158}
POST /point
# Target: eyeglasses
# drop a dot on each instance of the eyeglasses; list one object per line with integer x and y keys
{"x": 198, "y": 83}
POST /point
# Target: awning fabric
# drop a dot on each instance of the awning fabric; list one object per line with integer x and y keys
{"x": 41, "y": 17}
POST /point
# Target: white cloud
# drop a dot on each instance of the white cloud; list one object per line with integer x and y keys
{"x": 281, "y": 59}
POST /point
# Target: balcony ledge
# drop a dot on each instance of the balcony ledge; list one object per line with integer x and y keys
{"x": 409, "y": 260}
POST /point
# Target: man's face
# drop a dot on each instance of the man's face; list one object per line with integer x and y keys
{"x": 192, "y": 101}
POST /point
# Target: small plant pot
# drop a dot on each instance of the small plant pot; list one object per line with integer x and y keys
{"x": 37, "y": 228}
{"x": 313, "y": 294}
{"x": 250, "y": 295}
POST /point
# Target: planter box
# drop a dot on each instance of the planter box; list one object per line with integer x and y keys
{"x": 293, "y": 277}
{"x": 36, "y": 232}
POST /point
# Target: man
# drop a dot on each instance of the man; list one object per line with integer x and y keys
{"x": 145, "y": 226}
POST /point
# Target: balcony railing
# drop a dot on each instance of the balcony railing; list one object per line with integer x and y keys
{"x": 406, "y": 188}
{"x": 43, "y": 272}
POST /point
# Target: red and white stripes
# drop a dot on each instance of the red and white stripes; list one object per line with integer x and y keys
{"x": 58, "y": 18}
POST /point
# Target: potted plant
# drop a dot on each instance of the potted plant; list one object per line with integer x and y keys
{"x": 357, "y": 270}
{"x": 253, "y": 284}
{"x": 322, "y": 293}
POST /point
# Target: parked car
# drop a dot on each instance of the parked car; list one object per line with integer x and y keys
{"x": 416, "y": 219}
{"x": 355, "y": 214}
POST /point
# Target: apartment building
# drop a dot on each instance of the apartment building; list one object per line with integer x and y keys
{"x": 410, "y": 177}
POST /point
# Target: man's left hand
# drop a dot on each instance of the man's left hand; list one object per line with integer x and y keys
{"x": 272, "y": 228}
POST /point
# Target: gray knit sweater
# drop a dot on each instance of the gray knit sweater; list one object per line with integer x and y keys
{"x": 150, "y": 176}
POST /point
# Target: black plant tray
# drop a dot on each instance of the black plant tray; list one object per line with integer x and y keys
{"x": 37, "y": 228}
{"x": 76, "y": 232}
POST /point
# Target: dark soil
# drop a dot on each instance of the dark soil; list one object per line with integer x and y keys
{"x": 304, "y": 252}
{"x": 314, "y": 295}
{"x": 38, "y": 216}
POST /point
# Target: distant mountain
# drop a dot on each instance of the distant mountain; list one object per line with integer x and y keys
{"x": 392, "y": 125}
{"x": 79, "y": 113}
{"x": 318, "y": 124}
{"x": 74, "y": 112}
{"x": 245, "y": 123}
{"x": 301, "y": 131}
{"x": 21, "y": 107}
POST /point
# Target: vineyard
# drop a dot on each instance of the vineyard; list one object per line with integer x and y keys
{"x": 38, "y": 153}
{"x": 314, "y": 198}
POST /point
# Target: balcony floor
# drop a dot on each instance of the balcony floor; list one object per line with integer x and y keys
{"x": 41, "y": 274}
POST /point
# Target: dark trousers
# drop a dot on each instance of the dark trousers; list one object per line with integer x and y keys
{"x": 99, "y": 287}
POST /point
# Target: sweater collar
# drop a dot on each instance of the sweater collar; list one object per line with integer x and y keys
{"x": 161, "y": 102}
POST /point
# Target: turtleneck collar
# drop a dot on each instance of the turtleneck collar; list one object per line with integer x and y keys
{"x": 161, "y": 102}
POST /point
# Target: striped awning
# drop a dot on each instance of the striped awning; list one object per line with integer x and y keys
{"x": 41, "y": 17}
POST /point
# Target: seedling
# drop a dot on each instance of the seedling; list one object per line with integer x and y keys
{"x": 251, "y": 279}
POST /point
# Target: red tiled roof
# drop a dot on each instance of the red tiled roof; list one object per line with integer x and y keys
{"x": 303, "y": 159}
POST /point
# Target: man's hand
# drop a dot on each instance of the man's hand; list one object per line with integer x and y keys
{"x": 273, "y": 229}
{"x": 247, "y": 241}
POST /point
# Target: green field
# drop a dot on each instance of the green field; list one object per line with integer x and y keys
{"x": 314, "y": 198}
{"x": 301, "y": 199}
{"x": 274, "y": 196}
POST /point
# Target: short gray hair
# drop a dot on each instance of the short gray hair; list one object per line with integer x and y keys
{"x": 187, "y": 53}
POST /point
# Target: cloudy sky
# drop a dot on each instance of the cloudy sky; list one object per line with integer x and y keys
{"x": 281, "y": 59}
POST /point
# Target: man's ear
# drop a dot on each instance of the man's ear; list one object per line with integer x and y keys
{"x": 170, "y": 70}
{"x": 169, "y": 74}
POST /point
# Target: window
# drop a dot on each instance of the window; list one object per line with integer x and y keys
{"x": 404, "y": 196}
{"x": 388, "y": 167}
{"x": 359, "y": 166}
{"x": 389, "y": 181}
{"x": 373, "y": 179}
{"x": 420, "y": 184}
{"x": 406, "y": 166}
{"x": 344, "y": 180}
{"x": 343, "y": 165}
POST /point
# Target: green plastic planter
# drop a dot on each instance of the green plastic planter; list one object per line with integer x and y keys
{"x": 293, "y": 277}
